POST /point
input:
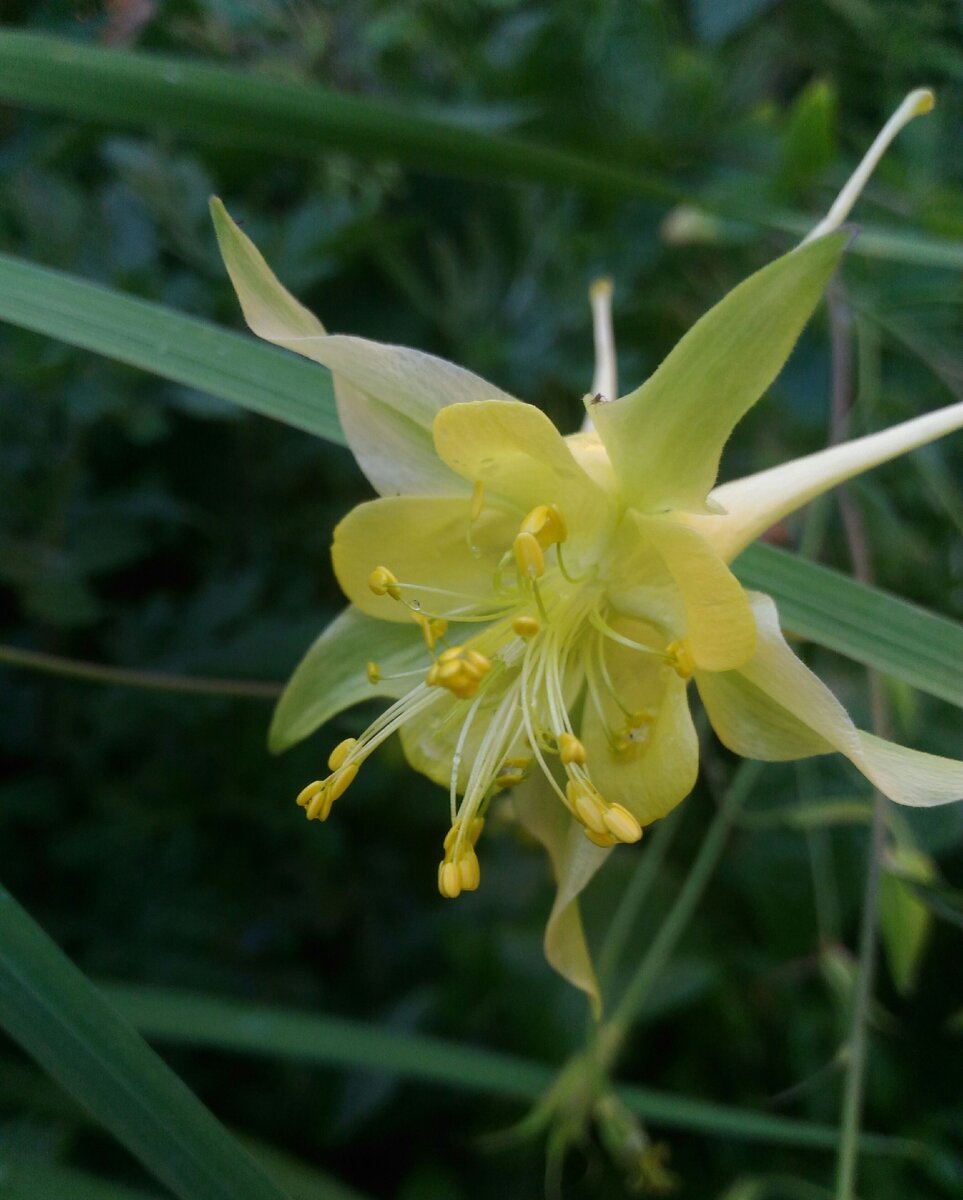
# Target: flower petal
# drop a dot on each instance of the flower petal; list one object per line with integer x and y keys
{"x": 574, "y": 862}
{"x": 720, "y": 630}
{"x": 424, "y": 541}
{"x": 755, "y": 503}
{"x": 331, "y": 677}
{"x": 519, "y": 456}
{"x": 775, "y": 708}
{"x": 387, "y": 395}
{"x": 651, "y": 775}
{"x": 665, "y": 438}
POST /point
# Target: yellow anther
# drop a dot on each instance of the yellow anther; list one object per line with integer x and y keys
{"x": 432, "y": 628}
{"x": 679, "y": 657}
{"x": 528, "y": 555}
{"x": 373, "y": 671}
{"x": 469, "y": 871}
{"x": 308, "y": 793}
{"x": 621, "y": 824}
{"x": 599, "y": 839}
{"x": 546, "y": 524}
{"x": 383, "y": 583}
{"x": 338, "y": 755}
{"x": 587, "y": 804}
{"x": 570, "y": 749}
{"x": 477, "y": 500}
{"x": 449, "y": 880}
{"x": 320, "y": 806}
{"x": 459, "y": 670}
{"x": 526, "y": 627}
{"x": 342, "y": 780}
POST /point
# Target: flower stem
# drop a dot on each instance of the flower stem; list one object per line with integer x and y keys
{"x": 74, "y": 668}
{"x": 858, "y": 545}
{"x": 653, "y": 962}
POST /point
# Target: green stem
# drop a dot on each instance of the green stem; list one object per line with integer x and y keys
{"x": 635, "y": 895}
{"x": 73, "y": 668}
{"x": 653, "y": 962}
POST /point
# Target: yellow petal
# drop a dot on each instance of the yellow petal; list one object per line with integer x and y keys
{"x": 387, "y": 396}
{"x": 520, "y": 457}
{"x": 423, "y": 541}
{"x": 775, "y": 708}
{"x": 720, "y": 630}
{"x": 658, "y": 763}
{"x": 575, "y": 861}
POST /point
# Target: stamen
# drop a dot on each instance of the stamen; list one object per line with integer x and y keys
{"x": 587, "y": 804}
{"x": 459, "y": 670}
{"x": 526, "y": 626}
{"x": 621, "y": 824}
{"x": 383, "y": 583}
{"x": 432, "y": 628}
{"x": 570, "y": 749}
{"x": 603, "y": 627}
{"x": 528, "y": 555}
{"x": 512, "y": 772}
{"x": 477, "y": 500}
{"x": 339, "y": 754}
{"x": 679, "y": 658}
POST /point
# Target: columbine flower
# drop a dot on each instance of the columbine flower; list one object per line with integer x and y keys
{"x": 538, "y": 605}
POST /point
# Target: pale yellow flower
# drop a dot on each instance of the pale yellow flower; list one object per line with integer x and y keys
{"x": 538, "y": 605}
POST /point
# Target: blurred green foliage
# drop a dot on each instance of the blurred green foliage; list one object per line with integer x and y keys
{"x": 148, "y": 526}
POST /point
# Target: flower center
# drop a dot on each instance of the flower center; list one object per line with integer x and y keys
{"x": 503, "y": 702}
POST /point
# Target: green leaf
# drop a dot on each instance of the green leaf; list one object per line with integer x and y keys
{"x": 248, "y": 108}
{"x": 665, "y": 439}
{"x": 866, "y": 624}
{"x": 183, "y": 349}
{"x": 188, "y": 1018}
{"x": 905, "y": 921}
{"x": 41, "y": 1181}
{"x": 331, "y": 677}
{"x": 61, "y": 1019}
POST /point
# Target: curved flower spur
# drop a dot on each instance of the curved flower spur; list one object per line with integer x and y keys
{"x": 537, "y": 605}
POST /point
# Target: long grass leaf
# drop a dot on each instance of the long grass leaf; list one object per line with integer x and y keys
{"x": 229, "y": 365}
{"x": 864, "y": 623}
{"x": 199, "y": 1020}
{"x": 250, "y": 108}
{"x": 64, "y": 1022}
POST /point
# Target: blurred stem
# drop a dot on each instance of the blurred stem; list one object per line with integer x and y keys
{"x": 74, "y": 668}
{"x": 635, "y": 895}
{"x": 612, "y": 1032}
{"x": 858, "y": 544}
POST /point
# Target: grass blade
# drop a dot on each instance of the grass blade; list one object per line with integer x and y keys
{"x": 189, "y": 1018}
{"x": 864, "y": 623}
{"x": 61, "y": 1019}
{"x": 248, "y": 108}
{"x": 186, "y": 350}
{"x": 868, "y": 625}
{"x": 41, "y": 1181}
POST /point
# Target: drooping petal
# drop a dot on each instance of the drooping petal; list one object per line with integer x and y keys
{"x": 515, "y": 451}
{"x": 428, "y": 541}
{"x": 331, "y": 677}
{"x": 655, "y": 759}
{"x": 787, "y": 712}
{"x": 720, "y": 630}
{"x": 755, "y": 503}
{"x": 574, "y": 862}
{"x": 387, "y": 395}
{"x": 665, "y": 438}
